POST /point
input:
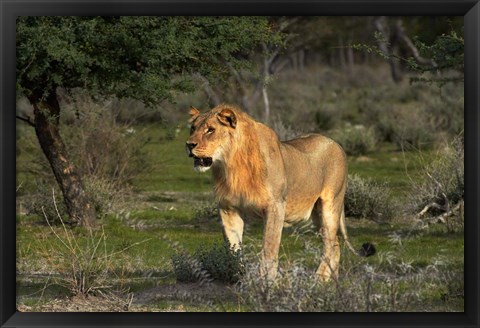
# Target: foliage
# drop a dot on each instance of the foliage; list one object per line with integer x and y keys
{"x": 221, "y": 261}
{"x": 80, "y": 259}
{"x": 356, "y": 140}
{"x": 441, "y": 188}
{"x": 41, "y": 203}
{"x": 392, "y": 285}
{"x": 218, "y": 262}
{"x": 447, "y": 51}
{"x": 107, "y": 197}
{"x": 102, "y": 148}
{"x": 410, "y": 127}
{"x": 368, "y": 199}
{"x": 143, "y": 58}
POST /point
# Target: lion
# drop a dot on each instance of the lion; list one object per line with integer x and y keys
{"x": 255, "y": 175}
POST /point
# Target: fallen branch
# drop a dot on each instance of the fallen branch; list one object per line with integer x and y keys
{"x": 427, "y": 208}
{"x": 442, "y": 217}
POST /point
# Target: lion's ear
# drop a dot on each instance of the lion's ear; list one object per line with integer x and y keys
{"x": 227, "y": 117}
{"x": 193, "y": 113}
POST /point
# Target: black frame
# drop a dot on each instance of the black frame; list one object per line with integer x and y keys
{"x": 10, "y": 9}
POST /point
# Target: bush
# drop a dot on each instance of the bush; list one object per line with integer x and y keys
{"x": 47, "y": 201}
{"x": 108, "y": 156}
{"x": 412, "y": 128}
{"x": 102, "y": 148}
{"x": 218, "y": 262}
{"x": 80, "y": 259}
{"x": 222, "y": 262}
{"x": 356, "y": 140}
{"x": 440, "y": 191}
{"x": 206, "y": 211}
{"x": 387, "y": 286}
{"x": 188, "y": 269}
{"x": 368, "y": 199}
{"x": 284, "y": 132}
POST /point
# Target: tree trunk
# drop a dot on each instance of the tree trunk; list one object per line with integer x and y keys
{"x": 47, "y": 116}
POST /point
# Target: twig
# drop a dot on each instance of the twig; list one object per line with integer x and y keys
{"x": 26, "y": 120}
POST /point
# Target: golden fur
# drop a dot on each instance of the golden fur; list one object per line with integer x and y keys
{"x": 255, "y": 175}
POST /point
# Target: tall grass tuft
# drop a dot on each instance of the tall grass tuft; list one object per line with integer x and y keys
{"x": 80, "y": 259}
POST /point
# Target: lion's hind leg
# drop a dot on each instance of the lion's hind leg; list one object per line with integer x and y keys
{"x": 327, "y": 218}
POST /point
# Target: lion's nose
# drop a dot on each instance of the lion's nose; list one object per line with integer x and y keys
{"x": 190, "y": 147}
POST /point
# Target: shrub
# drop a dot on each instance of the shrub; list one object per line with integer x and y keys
{"x": 368, "y": 199}
{"x": 188, "y": 269}
{"x": 411, "y": 127}
{"x": 104, "y": 149}
{"x": 356, "y": 139}
{"x": 284, "y": 132}
{"x": 387, "y": 286}
{"x": 106, "y": 196}
{"x": 206, "y": 211}
{"x": 218, "y": 262}
{"x": 440, "y": 190}
{"x": 222, "y": 262}
{"x": 326, "y": 118}
{"x": 45, "y": 205}
{"x": 80, "y": 258}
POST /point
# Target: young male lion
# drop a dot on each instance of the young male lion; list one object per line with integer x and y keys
{"x": 257, "y": 176}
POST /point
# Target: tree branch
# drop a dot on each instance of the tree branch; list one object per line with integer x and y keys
{"x": 26, "y": 120}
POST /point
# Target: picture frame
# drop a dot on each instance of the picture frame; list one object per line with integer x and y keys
{"x": 9, "y": 317}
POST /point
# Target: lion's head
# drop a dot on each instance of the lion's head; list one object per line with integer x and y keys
{"x": 210, "y": 136}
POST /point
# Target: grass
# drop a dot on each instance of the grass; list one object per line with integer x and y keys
{"x": 165, "y": 218}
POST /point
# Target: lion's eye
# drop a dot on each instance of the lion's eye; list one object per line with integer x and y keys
{"x": 210, "y": 130}
{"x": 192, "y": 129}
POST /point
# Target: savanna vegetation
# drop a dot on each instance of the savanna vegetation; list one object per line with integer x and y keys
{"x": 112, "y": 217}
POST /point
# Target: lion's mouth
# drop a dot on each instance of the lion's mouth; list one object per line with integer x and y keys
{"x": 202, "y": 161}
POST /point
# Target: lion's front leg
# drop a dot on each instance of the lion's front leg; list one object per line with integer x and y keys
{"x": 232, "y": 227}
{"x": 272, "y": 235}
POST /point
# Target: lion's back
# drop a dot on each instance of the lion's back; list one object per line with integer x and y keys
{"x": 315, "y": 144}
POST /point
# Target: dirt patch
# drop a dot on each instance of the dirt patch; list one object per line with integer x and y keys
{"x": 185, "y": 292}
{"x": 144, "y": 301}
{"x": 81, "y": 304}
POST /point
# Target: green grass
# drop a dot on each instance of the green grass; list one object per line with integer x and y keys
{"x": 172, "y": 169}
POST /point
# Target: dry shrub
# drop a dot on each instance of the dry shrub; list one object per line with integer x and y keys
{"x": 102, "y": 148}
{"x": 108, "y": 155}
{"x": 391, "y": 285}
{"x": 80, "y": 259}
{"x": 356, "y": 140}
{"x": 106, "y": 195}
{"x": 439, "y": 193}
{"x": 284, "y": 132}
{"x": 411, "y": 127}
{"x": 368, "y": 199}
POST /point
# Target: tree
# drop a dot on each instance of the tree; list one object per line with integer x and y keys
{"x": 432, "y": 49}
{"x": 144, "y": 58}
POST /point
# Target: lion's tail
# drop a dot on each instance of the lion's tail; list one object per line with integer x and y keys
{"x": 367, "y": 248}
